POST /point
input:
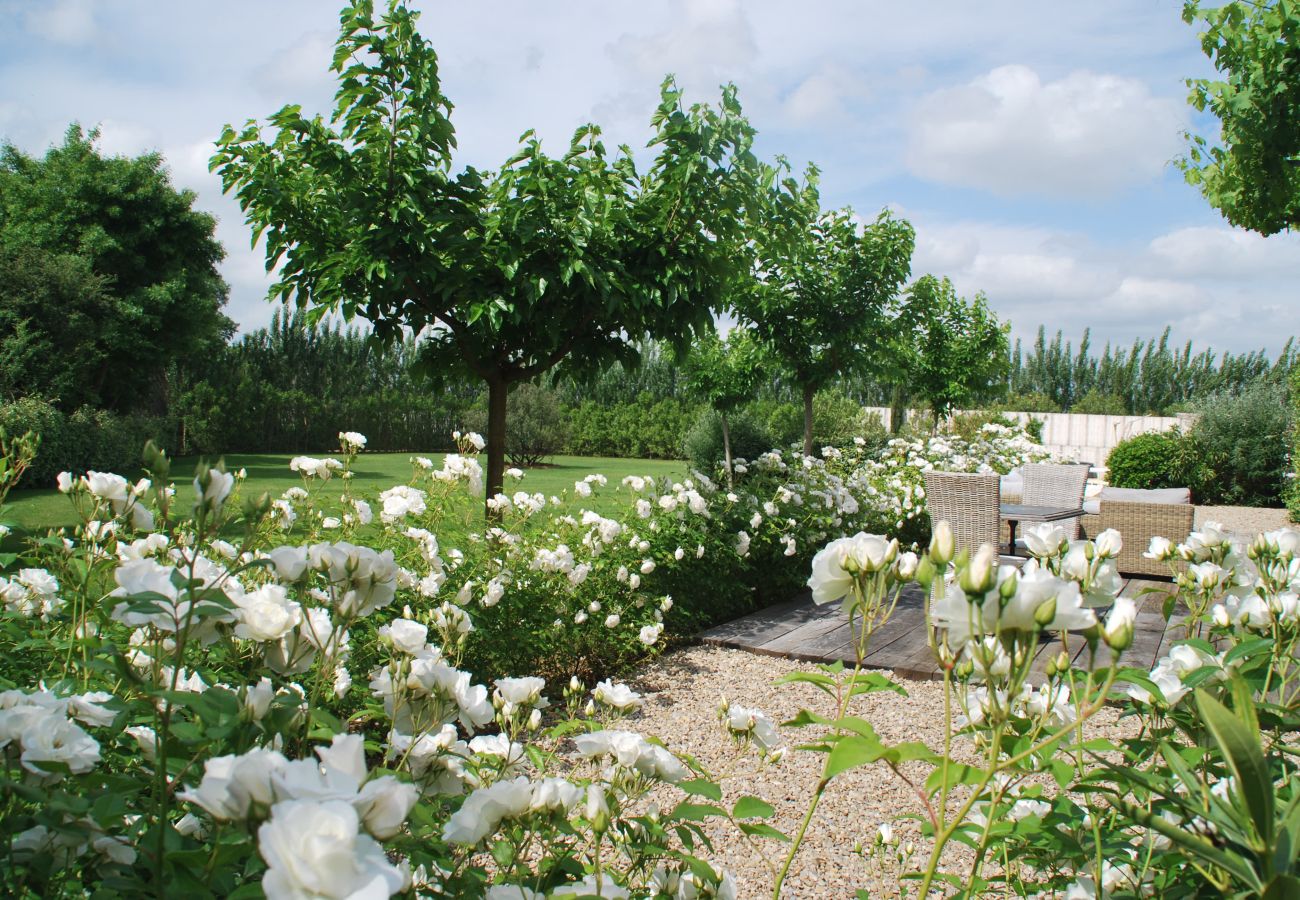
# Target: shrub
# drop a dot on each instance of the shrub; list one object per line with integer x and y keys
{"x": 1098, "y": 404}
{"x": 536, "y": 426}
{"x": 749, "y": 439}
{"x": 644, "y": 428}
{"x": 1153, "y": 460}
{"x": 1242, "y": 440}
{"x": 85, "y": 439}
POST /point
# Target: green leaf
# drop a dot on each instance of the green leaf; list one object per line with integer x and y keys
{"x": 851, "y": 752}
{"x": 697, "y": 812}
{"x": 763, "y": 830}
{"x": 806, "y": 718}
{"x": 956, "y": 773}
{"x": 1242, "y": 752}
{"x": 698, "y": 787}
{"x": 748, "y": 807}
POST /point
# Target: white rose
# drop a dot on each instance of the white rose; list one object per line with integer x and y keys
{"x": 316, "y": 850}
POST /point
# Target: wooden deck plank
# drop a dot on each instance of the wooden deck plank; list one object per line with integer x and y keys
{"x": 798, "y": 629}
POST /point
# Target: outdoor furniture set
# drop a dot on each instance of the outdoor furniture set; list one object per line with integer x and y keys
{"x": 974, "y": 506}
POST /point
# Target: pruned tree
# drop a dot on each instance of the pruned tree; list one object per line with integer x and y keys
{"x": 725, "y": 373}
{"x": 948, "y": 350}
{"x": 824, "y": 287}
{"x": 545, "y": 262}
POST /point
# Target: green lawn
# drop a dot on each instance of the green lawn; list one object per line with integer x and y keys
{"x": 43, "y": 508}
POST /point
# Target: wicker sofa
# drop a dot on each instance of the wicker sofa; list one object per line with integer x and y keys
{"x": 1139, "y": 516}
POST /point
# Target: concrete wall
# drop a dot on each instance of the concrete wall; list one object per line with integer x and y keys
{"x": 1085, "y": 438}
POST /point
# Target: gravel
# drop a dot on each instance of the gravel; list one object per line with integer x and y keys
{"x": 1245, "y": 521}
{"x": 683, "y": 690}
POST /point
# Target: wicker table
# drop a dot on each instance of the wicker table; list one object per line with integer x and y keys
{"x": 1015, "y": 513}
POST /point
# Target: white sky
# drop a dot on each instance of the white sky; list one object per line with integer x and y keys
{"x": 1030, "y": 144}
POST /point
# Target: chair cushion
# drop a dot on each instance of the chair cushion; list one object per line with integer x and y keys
{"x": 1012, "y": 484}
{"x": 1167, "y": 496}
{"x": 1092, "y": 507}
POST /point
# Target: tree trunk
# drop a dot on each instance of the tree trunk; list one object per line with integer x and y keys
{"x": 808, "y": 392}
{"x": 496, "y": 441}
{"x": 897, "y": 410}
{"x": 726, "y": 449}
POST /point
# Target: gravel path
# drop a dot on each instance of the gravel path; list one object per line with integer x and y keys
{"x": 683, "y": 690}
{"x": 1246, "y": 521}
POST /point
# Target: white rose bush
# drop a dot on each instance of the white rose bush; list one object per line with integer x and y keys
{"x": 325, "y": 694}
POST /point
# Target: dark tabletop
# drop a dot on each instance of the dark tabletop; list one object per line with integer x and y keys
{"x": 1022, "y": 513}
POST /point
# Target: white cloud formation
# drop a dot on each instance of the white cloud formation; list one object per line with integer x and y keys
{"x": 1065, "y": 280}
{"x": 708, "y": 41}
{"x": 1223, "y": 252}
{"x": 1010, "y": 133}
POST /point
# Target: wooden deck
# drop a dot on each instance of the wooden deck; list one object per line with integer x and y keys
{"x": 798, "y": 629}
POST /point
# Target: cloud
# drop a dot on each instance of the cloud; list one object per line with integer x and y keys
{"x": 70, "y": 22}
{"x": 1008, "y": 132}
{"x": 1224, "y": 252}
{"x": 1064, "y": 280}
{"x": 826, "y": 96}
{"x": 301, "y": 67}
{"x": 710, "y": 41}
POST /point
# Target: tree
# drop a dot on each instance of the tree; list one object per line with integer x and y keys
{"x": 724, "y": 374}
{"x": 150, "y": 295}
{"x": 1251, "y": 174}
{"x": 544, "y": 262}
{"x": 949, "y": 350}
{"x": 824, "y": 285}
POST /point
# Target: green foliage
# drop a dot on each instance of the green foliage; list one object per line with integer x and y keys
{"x": 724, "y": 373}
{"x": 1031, "y": 402}
{"x": 1293, "y": 489}
{"x": 84, "y": 439}
{"x": 1149, "y": 378}
{"x": 537, "y": 426}
{"x": 108, "y": 277}
{"x": 824, "y": 286}
{"x": 368, "y": 221}
{"x": 292, "y": 387}
{"x": 1242, "y": 441}
{"x": 947, "y": 350}
{"x": 644, "y": 428}
{"x": 1248, "y": 170}
{"x": 1098, "y": 404}
{"x": 1151, "y": 460}
{"x": 703, "y": 444}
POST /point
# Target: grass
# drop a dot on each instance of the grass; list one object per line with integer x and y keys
{"x": 42, "y": 508}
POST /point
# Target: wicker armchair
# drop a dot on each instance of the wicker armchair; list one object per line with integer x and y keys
{"x": 1050, "y": 484}
{"x": 968, "y": 502}
{"x": 1137, "y": 524}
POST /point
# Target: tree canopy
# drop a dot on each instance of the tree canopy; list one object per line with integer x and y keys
{"x": 949, "y": 351}
{"x": 544, "y": 262}
{"x": 824, "y": 285}
{"x": 108, "y": 276}
{"x": 1251, "y": 172}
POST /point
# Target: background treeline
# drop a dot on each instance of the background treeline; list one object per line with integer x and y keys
{"x": 290, "y": 387}
{"x": 1149, "y": 378}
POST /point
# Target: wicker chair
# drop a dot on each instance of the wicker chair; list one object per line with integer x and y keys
{"x": 1049, "y": 484}
{"x": 1137, "y": 524}
{"x": 968, "y": 502}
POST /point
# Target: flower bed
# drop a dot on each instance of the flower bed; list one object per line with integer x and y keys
{"x": 225, "y": 695}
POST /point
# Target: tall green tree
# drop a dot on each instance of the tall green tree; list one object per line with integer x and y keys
{"x": 824, "y": 285}
{"x": 1251, "y": 172}
{"x": 725, "y": 373}
{"x": 148, "y": 293}
{"x": 545, "y": 262}
{"x": 950, "y": 351}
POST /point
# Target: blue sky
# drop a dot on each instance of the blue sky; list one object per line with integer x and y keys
{"x": 1030, "y": 144}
